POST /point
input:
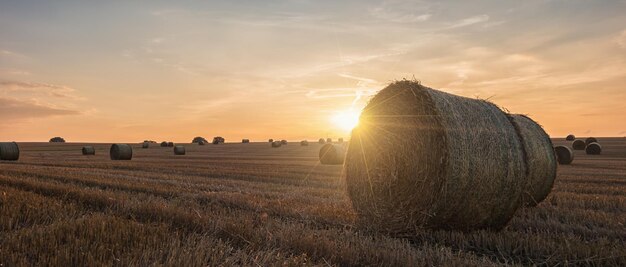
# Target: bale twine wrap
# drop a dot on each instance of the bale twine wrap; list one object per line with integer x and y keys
{"x": 245, "y": 141}
{"x": 593, "y": 149}
{"x": 179, "y": 150}
{"x": 332, "y": 154}
{"x": 145, "y": 145}
{"x": 590, "y": 140}
{"x": 570, "y": 137}
{"x": 163, "y": 144}
{"x": 322, "y": 141}
{"x": 284, "y": 142}
{"x": 329, "y": 140}
{"x": 422, "y": 158}
{"x": 9, "y": 151}
{"x": 539, "y": 157}
{"x": 564, "y": 155}
{"x": 89, "y": 150}
{"x": 304, "y": 143}
{"x": 170, "y": 144}
{"x": 578, "y": 144}
{"x": 121, "y": 152}
{"x": 277, "y": 144}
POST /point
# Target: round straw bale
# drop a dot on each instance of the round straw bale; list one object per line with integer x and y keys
{"x": 270, "y": 140}
{"x": 421, "y": 158}
{"x": 284, "y": 142}
{"x": 304, "y": 143}
{"x": 539, "y": 157}
{"x": 564, "y": 155}
{"x": 578, "y": 144}
{"x": 9, "y": 151}
{"x": 570, "y": 137}
{"x": 201, "y": 143}
{"x": 89, "y": 150}
{"x": 121, "y": 152}
{"x": 163, "y": 144}
{"x": 170, "y": 144}
{"x": 57, "y": 139}
{"x": 245, "y": 141}
{"x": 590, "y": 140}
{"x": 329, "y": 140}
{"x": 277, "y": 144}
{"x": 322, "y": 141}
{"x": 332, "y": 154}
{"x": 218, "y": 140}
{"x": 593, "y": 149}
{"x": 145, "y": 145}
{"x": 179, "y": 150}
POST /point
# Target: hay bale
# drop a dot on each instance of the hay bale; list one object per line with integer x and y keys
{"x": 539, "y": 157}
{"x": 276, "y": 144}
{"x": 201, "y": 143}
{"x": 9, "y": 151}
{"x": 590, "y": 140}
{"x": 179, "y": 150}
{"x": 329, "y": 140}
{"x": 322, "y": 141}
{"x": 332, "y": 154}
{"x": 284, "y": 142}
{"x": 198, "y": 140}
{"x": 121, "y": 152}
{"x": 170, "y": 144}
{"x": 578, "y": 144}
{"x": 564, "y": 155}
{"x": 593, "y": 149}
{"x": 145, "y": 145}
{"x": 89, "y": 150}
{"x": 304, "y": 143}
{"x": 218, "y": 140}
{"x": 271, "y": 140}
{"x": 340, "y": 140}
{"x": 163, "y": 144}
{"x": 421, "y": 158}
{"x": 57, "y": 140}
{"x": 570, "y": 137}
{"x": 245, "y": 141}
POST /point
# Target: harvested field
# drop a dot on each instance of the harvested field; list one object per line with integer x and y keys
{"x": 249, "y": 204}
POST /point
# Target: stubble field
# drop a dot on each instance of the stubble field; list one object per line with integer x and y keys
{"x": 250, "y": 204}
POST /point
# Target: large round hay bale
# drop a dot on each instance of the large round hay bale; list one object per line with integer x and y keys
{"x": 284, "y": 142}
{"x": 593, "y": 149}
{"x": 89, "y": 150}
{"x": 539, "y": 157}
{"x": 322, "y": 141}
{"x": 570, "y": 137}
{"x": 270, "y": 140}
{"x": 332, "y": 154}
{"x": 329, "y": 140}
{"x": 170, "y": 144}
{"x": 57, "y": 139}
{"x": 245, "y": 141}
{"x": 590, "y": 140}
{"x": 276, "y": 144}
{"x": 304, "y": 143}
{"x": 9, "y": 151}
{"x": 179, "y": 150}
{"x": 145, "y": 145}
{"x": 578, "y": 144}
{"x": 163, "y": 144}
{"x": 421, "y": 158}
{"x": 564, "y": 155}
{"x": 121, "y": 152}
{"x": 201, "y": 143}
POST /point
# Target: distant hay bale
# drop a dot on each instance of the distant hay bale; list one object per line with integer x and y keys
{"x": 145, "y": 145}
{"x": 329, "y": 140}
{"x": 201, "y": 143}
{"x": 570, "y": 137}
{"x": 304, "y": 143}
{"x": 579, "y": 144}
{"x": 163, "y": 144}
{"x": 332, "y": 154}
{"x": 591, "y": 140}
{"x": 340, "y": 140}
{"x": 218, "y": 140}
{"x": 539, "y": 157}
{"x": 271, "y": 140}
{"x": 57, "y": 140}
{"x": 593, "y": 149}
{"x": 121, "y": 152}
{"x": 9, "y": 151}
{"x": 179, "y": 150}
{"x": 89, "y": 150}
{"x": 322, "y": 141}
{"x": 245, "y": 141}
{"x": 170, "y": 144}
{"x": 198, "y": 140}
{"x": 277, "y": 144}
{"x": 284, "y": 142}
{"x": 564, "y": 155}
{"x": 425, "y": 159}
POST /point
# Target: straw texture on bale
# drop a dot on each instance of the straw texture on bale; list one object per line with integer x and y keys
{"x": 245, "y": 141}
{"x": 539, "y": 157}
{"x": 421, "y": 158}
{"x": 170, "y": 144}
{"x": 570, "y": 137}
{"x": 277, "y": 144}
{"x": 304, "y": 143}
{"x": 284, "y": 142}
{"x": 121, "y": 152}
{"x": 145, "y": 145}
{"x": 179, "y": 150}
{"x": 322, "y": 141}
{"x": 578, "y": 144}
{"x": 564, "y": 155}
{"x": 332, "y": 154}
{"x": 163, "y": 144}
{"x": 329, "y": 140}
{"x": 590, "y": 140}
{"x": 593, "y": 149}
{"x": 89, "y": 150}
{"x": 9, "y": 151}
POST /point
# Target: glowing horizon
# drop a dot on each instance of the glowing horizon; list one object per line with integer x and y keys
{"x": 102, "y": 72}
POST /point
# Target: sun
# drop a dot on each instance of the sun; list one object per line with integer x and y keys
{"x": 346, "y": 119}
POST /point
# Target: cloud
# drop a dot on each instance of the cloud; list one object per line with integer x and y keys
{"x": 34, "y": 87}
{"x": 13, "y": 109}
{"x": 621, "y": 39}
{"x": 469, "y": 21}
{"x": 398, "y": 16}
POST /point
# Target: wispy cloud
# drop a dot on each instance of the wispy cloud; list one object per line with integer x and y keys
{"x": 14, "y": 109}
{"x": 398, "y": 16}
{"x": 35, "y": 87}
{"x": 469, "y": 21}
{"x": 621, "y": 39}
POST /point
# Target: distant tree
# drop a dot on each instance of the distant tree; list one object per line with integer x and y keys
{"x": 150, "y": 141}
{"x": 218, "y": 140}
{"x": 57, "y": 140}
{"x": 199, "y": 139}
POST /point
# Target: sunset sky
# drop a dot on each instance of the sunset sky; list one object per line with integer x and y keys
{"x": 105, "y": 71}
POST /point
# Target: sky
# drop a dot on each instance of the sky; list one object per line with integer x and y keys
{"x": 127, "y": 71}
